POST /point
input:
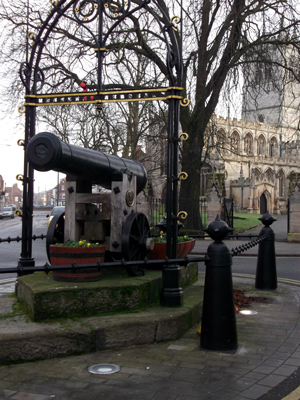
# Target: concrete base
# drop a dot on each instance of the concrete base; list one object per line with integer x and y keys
{"x": 293, "y": 237}
{"x": 42, "y": 298}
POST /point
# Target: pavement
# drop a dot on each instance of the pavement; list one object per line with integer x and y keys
{"x": 282, "y": 248}
{"x": 265, "y": 366}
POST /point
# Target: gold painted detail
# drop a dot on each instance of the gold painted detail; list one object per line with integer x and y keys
{"x": 18, "y": 213}
{"x": 183, "y": 176}
{"x": 175, "y": 20}
{"x": 31, "y": 36}
{"x": 53, "y": 3}
{"x": 183, "y": 136}
{"x": 20, "y": 177}
{"x": 21, "y": 142}
{"x": 182, "y": 214}
{"x": 104, "y": 97}
{"x": 130, "y": 198}
{"x": 185, "y": 102}
{"x": 22, "y": 109}
{"x": 101, "y": 49}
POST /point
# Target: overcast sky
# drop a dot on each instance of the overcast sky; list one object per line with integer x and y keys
{"x": 12, "y": 155}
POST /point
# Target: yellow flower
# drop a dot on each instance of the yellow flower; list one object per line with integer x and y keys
{"x": 88, "y": 245}
{"x": 161, "y": 233}
{"x": 80, "y": 243}
{"x": 185, "y": 236}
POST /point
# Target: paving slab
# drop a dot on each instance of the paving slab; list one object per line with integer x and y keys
{"x": 175, "y": 369}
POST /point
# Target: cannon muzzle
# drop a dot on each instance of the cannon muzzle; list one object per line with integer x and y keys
{"x": 46, "y": 152}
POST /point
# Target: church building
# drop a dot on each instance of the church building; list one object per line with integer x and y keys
{"x": 257, "y": 156}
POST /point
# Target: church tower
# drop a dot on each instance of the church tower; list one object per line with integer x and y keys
{"x": 271, "y": 93}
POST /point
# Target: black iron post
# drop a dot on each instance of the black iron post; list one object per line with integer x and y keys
{"x": 26, "y": 259}
{"x": 171, "y": 294}
{"x": 218, "y": 326}
{"x": 266, "y": 274}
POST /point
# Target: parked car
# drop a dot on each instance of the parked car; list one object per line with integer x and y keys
{"x": 7, "y": 212}
{"x": 56, "y": 210}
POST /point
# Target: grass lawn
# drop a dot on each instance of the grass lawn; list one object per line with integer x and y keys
{"x": 242, "y": 224}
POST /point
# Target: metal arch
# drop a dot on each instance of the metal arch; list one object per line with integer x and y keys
{"x": 173, "y": 58}
{"x": 33, "y": 79}
{"x": 55, "y": 232}
{"x": 135, "y": 233}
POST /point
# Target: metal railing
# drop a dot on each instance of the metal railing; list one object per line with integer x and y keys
{"x": 18, "y": 238}
{"x": 158, "y": 209}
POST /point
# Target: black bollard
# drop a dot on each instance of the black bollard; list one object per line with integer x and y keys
{"x": 218, "y": 326}
{"x": 266, "y": 274}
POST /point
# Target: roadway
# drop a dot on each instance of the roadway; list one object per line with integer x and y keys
{"x": 287, "y": 267}
{"x": 10, "y": 252}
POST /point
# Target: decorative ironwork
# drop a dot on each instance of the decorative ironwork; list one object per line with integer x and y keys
{"x": 100, "y": 21}
{"x": 183, "y": 136}
{"x": 25, "y": 73}
{"x": 182, "y": 215}
{"x": 21, "y": 110}
{"x": 85, "y": 11}
{"x": 21, "y": 142}
{"x": 185, "y": 102}
{"x": 183, "y": 176}
{"x": 177, "y": 20}
{"x": 20, "y": 177}
{"x": 31, "y": 36}
{"x": 112, "y": 96}
{"x": 118, "y": 9}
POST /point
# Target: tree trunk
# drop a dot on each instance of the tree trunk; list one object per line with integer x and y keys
{"x": 191, "y": 164}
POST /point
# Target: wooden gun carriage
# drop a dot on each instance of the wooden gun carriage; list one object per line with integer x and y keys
{"x": 110, "y": 217}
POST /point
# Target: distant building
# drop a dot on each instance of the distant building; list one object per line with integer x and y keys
{"x": 13, "y": 195}
{"x": 257, "y": 156}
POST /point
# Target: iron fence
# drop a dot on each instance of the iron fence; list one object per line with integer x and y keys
{"x": 227, "y": 213}
{"x": 158, "y": 210}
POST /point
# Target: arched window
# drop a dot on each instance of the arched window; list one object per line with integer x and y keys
{"x": 221, "y": 139}
{"x": 269, "y": 174}
{"x": 248, "y": 143}
{"x": 273, "y": 147}
{"x": 257, "y": 173}
{"x": 204, "y": 175}
{"x": 261, "y": 145}
{"x": 235, "y": 142}
{"x": 281, "y": 183}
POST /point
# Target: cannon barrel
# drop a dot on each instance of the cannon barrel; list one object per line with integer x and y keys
{"x": 46, "y": 152}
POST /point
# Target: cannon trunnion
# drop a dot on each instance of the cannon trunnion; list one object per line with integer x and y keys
{"x": 110, "y": 217}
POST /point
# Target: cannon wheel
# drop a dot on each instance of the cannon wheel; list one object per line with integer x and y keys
{"x": 55, "y": 233}
{"x": 134, "y": 237}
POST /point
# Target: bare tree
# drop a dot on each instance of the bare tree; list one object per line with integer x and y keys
{"x": 220, "y": 39}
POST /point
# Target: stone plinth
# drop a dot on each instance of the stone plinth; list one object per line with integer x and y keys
{"x": 43, "y": 298}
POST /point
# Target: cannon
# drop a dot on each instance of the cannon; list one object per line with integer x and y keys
{"x": 108, "y": 217}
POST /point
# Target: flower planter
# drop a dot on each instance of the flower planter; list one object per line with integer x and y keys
{"x": 61, "y": 255}
{"x": 159, "y": 251}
